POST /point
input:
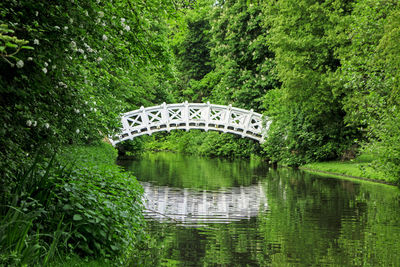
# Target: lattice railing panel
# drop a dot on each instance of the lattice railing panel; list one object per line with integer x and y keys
{"x": 188, "y": 116}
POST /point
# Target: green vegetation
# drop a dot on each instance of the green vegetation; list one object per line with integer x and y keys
{"x": 211, "y": 144}
{"x": 360, "y": 167}
{"x": 77, "y": 203}
{"x": 325, "y": 73}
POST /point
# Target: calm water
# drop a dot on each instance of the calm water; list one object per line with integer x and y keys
{"x": 213, "y": 212}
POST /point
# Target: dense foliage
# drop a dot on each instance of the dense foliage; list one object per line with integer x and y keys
{"x": 325, "y": 72}
{"x": 79, "y": 202}
{"x": 91, "y": 61}
{"x": 68, "y": 68}
{"x": 337, "y": 61}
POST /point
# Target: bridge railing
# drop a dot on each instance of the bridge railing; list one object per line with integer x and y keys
{"x": 204, "y": 116}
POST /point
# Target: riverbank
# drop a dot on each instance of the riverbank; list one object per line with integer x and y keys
{"x": 361, "y": 168}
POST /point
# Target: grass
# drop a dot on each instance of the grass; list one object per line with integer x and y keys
{"x": 362, "y": 167}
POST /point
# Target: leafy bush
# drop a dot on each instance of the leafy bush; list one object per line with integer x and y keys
{"x": 79, "y": 202}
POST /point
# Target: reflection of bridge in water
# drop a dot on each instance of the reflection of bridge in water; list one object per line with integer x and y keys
{"x": 165, "y": 203}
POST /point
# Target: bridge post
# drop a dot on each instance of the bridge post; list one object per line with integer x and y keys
{"x": 145, "y": 120}
{"x": 125, "y": 125}
{"x": 228, "y": 117}
{"x": 206, "y": 116}
{"x": 186, "y": 114}
{"x": 247, "y": 122}
{"x": 165, "y": 116}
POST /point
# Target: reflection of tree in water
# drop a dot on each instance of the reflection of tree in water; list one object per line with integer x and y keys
{"x": 327, "y": 221}
{"x": 310, "y": 220}
{"x": 177, "y": 170}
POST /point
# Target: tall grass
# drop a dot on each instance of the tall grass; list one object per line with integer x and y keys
{"x": 24, "y": 240}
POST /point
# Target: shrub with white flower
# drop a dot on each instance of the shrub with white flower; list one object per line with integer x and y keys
{"x": 104, "y": 37}
{"x": 20, "y": 64}
{"x": 44, "y": 70}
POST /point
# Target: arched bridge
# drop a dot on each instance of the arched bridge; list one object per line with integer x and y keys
{"x": 204, "y": 116}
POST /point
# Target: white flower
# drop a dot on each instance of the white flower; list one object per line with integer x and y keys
{"x": 72, "y": 44}
{"x": 53, "y": 67}
{"x": 46, "y": 125}
{"x": 95, "y": 109}
{"x": 99, "y": 59}
{"x": 30, "y": 58}
{"x": 103, "y": 24}
{"x": 34, "y": 124}
{"x": 122, "y": 20}
{"x": 20, "y": 64}
{"x": 57, "y": 27}
{"x": 29, "y": 123}
{"x": 86, "y": 13}
{"x": 101, "y": 14}
{"x": 127, "y": 28}
{"x": 65, "y": 28}
{"x": 121, "y": 32}
{"x": 80, "y": 50}
{"x": 76, "y": 110}
{"x": 62, "y": 84}
{"x": 84, "y": 115}
{"x": 36, "y": 42}
{"x": 77, "y": 131}
{"x": 46, "y": 64}
{"x": 86, "y": 102}
{"x": 71, "y": 20}
{"x": 44, "y": 70}
{"x": 37, "y": 13}
{"x": 105, "y": 38}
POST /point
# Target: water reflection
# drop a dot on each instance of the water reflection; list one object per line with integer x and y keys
{"x": 171, "y": 204}
{"x": 310, "y": 220}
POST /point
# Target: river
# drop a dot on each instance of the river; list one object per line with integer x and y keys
{"x": 217, "y": 212}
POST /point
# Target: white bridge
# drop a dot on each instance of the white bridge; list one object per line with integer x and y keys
{"x": 167, "y": 117}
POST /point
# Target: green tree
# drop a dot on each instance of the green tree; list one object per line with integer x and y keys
{"x": 242, "y": 60}
{"x": 369, "y": 78}
{"x": 307, "y": 116}
{"x": 91, "y": 61}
